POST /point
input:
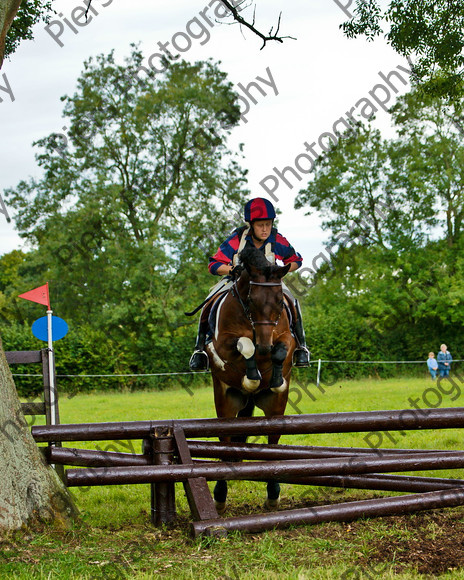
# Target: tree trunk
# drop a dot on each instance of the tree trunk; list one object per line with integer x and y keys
{"x": 30, "y": 490}
{"x": 8, "y": 10}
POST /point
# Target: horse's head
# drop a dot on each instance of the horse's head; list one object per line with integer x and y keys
{"x": 261, "y": 289}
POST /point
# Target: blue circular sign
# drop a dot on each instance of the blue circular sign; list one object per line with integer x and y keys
{"x": 40, "y": 328}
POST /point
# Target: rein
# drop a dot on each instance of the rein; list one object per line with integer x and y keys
{"x": 244, "y": 305}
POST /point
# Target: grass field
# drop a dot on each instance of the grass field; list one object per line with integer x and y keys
{"x": 115, "y": 539}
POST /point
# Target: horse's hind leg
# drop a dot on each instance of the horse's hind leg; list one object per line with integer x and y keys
{"x": 272, "y": 403}
{"x": 247, "y": 411}
{"x": 229, "y": 403}
{"x": 220, "y": 489}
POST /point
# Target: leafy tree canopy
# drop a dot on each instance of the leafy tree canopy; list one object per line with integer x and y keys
{"x": 30, "y": 12}
{"x": 134, "y": 194}
{"x": 430, "y": 31}
{"x": 394, "y": 193}
{"x": 351, "y": 190}
{"x": 429, "y": 158}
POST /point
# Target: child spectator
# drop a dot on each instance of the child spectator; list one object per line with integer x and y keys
{"x": 433, "y": 365}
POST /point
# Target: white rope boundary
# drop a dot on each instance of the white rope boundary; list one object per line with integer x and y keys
{"x": 128, "y": 375}
{"x": 383, "y": 362}
{"x": 360, "y": 362}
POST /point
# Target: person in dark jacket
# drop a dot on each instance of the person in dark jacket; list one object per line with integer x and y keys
{"x": 444, "y": 360}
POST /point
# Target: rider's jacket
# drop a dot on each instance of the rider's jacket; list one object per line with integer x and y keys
{"x": 276, "y": 243}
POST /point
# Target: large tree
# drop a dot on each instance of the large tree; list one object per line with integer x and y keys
{"x": 8, "y": 10}
{"x": 351, "y": 189}
{"x": 133, "y": 194}
{"x": 429, "y": 31}
{"x": 31, "y": 492}
{"x": 429, "y": 157}
{"x": 16, "y": 21}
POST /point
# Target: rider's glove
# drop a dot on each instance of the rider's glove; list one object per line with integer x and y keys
{"x": 235, "y": 272}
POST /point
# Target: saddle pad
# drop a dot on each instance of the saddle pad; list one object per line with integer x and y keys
{"x": 212, "y": 318}
{"x": 289, "y": 311}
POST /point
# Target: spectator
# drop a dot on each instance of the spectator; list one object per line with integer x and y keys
{"x": 444, "y": 360}
{"x": 433, "y": 365}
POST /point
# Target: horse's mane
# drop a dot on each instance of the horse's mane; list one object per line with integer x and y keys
{"x": 251, "y": 256}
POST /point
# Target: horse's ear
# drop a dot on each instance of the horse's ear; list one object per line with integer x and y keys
{"x": 283, "y": 270}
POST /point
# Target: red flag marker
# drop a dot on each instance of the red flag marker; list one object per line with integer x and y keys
{"x": 39, "y": 295}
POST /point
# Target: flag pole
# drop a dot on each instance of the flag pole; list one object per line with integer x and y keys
{"x": 51, "y": 370}
{"x": 41, "y": 296}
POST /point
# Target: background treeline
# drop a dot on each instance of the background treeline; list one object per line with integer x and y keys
{"x": 143, "y": 187}
{"x": 390, "y": 284}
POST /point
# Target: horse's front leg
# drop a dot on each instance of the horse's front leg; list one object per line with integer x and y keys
{"x": 252, "y": 378}
{"x": 278, "y": 356}
{"x": 229, "y": 402}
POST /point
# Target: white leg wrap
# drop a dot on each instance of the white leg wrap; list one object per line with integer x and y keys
{"x": 280, "y": 389}
{"x": 246, "y": 347}
{"x": 249, "y": 385}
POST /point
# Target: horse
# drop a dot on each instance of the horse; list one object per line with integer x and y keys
{"x": 251, "y": 350}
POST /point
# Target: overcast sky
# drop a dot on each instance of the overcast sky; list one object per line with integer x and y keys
{"x": 305, "y": 86}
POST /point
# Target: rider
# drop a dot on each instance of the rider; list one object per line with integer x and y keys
{"x": 259, "y": 214}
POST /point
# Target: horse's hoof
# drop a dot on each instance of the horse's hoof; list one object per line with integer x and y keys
{"x": 220, "y": 507}
{"x": 272, "y": 504}
{"x": 281, "y": 388}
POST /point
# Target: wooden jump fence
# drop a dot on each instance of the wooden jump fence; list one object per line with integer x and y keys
{"x": 169, "y": 456}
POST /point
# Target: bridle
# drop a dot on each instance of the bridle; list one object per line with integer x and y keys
{"x": 245, "y": 305}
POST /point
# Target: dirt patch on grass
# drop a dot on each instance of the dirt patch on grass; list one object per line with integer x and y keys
{"x": 437, "y": 545}
{"x": 432, "y": 543}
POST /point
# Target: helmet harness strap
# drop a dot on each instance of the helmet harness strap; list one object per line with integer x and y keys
{"x": 270, "y": 255}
